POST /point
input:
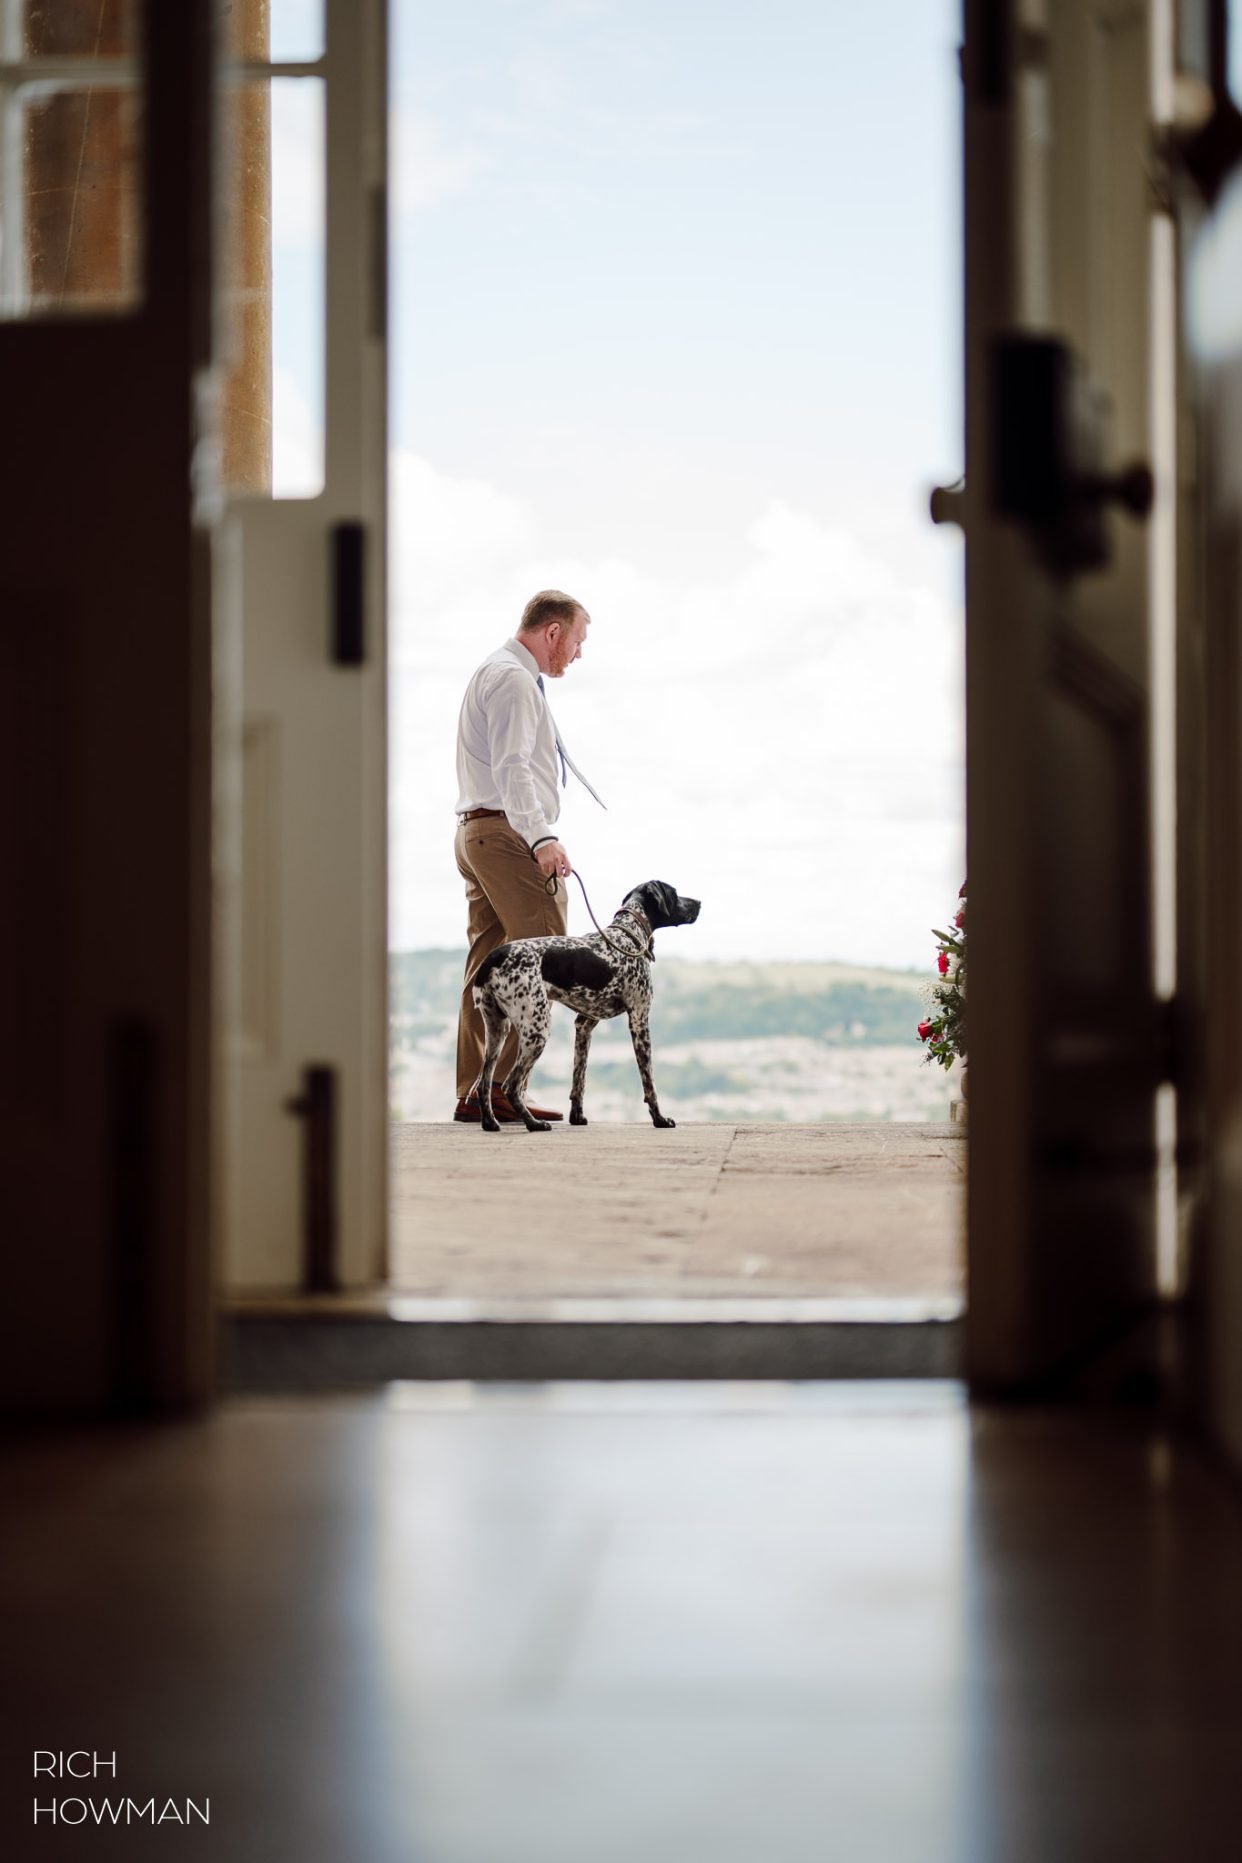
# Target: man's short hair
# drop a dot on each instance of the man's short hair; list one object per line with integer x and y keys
{"x": 549, "y": 605}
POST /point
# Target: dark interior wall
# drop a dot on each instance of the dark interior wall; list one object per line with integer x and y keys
{"x": 105, "y": 672}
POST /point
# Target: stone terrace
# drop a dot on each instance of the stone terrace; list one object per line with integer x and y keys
{"x": 704, "y": 1211}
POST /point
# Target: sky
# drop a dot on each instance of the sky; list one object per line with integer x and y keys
{"x": 676, "y": 327}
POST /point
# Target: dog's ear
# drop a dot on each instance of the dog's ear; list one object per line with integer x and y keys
{"x": 664, "y": 905}
{"x": 658, "y": 900}
{"x": 663, "y": 909}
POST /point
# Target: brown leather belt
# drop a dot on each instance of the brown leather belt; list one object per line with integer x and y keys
{"x": 473, "y": 815}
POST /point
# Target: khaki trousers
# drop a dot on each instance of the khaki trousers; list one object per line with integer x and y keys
{"x": 506, "y": 897}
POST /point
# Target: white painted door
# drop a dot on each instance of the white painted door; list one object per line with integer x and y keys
{"x": 1065, "y": 1034}
{"x": 304, "y": 578}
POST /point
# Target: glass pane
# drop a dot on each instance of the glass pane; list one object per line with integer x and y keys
{"x": 1235, "y": 50}
{"x": 298, "y": 286}
{"x": 274, "y": 31}
{"x": 81, "y": 28}
{"x": 70, "y": 211}
{"x": 297, "y": 30}
{"x": 273, "y": 397}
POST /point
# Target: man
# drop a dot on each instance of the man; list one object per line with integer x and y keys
{"x": 507, "y": 848}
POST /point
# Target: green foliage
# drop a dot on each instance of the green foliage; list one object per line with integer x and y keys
{"x": 944, "y": 1029}
{"x": 678, "y": 1079}
{"x": 843, "y": 1012}
{"x": 425, "y": 984}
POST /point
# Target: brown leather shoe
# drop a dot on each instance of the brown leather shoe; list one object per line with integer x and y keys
{"x": 502, "y": 1106}
{"x": 505, "y": 1109}
{"x": 468, "y": 1109}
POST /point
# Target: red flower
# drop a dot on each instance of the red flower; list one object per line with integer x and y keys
{"x": 943, "y": 961}
{"x": 961, "y": 917}
{"x": 961, "y": 891}
{"x": 925, "y": 1029}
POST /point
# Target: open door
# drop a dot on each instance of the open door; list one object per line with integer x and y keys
{"x": 1066, "y": 1036}
{"x": 303, "y": 581}
{"x": 1205, "y": 167}
{"x": 106, "y": 1198}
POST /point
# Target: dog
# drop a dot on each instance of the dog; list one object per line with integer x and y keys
{"x": 597, "y": 977}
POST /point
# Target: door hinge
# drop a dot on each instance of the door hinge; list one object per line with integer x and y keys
{"x": 1208, "y": 148}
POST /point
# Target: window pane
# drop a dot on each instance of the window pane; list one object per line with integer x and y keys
{"x": 70, "y": 211}
{"x": 81, "y": 28}
{"x": 273, "y": 394}
{"x": 297, "y": 30}
{"x": 298, "y": 286}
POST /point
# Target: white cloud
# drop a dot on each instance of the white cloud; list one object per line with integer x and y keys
{"x": 428, "y": 166}
{"x": 450, "y": 539}
{"x": 786, "y": 744}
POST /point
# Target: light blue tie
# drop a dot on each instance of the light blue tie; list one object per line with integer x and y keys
{"x": 560, "y": 753}
{"x": 563, "y": 754}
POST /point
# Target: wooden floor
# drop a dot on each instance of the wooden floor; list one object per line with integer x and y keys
{"x": 627, "y": 1212}
{"x": 576, "y": 1624}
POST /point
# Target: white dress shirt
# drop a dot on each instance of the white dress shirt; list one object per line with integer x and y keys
{"x": 506, "y": 745}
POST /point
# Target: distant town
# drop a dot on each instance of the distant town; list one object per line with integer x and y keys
{"x": 802, "y": 1043}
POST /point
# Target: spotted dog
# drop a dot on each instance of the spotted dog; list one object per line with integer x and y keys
{"x": 597, "y": 976}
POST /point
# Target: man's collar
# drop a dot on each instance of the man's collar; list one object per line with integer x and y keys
{"x": 524, "y": 655}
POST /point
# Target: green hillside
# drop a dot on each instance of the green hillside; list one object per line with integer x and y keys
{"x": 707, "y": 1001}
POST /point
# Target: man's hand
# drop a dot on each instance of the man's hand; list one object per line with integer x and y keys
{"x": 552, "y": 858}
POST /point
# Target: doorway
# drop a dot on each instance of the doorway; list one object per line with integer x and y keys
{"x": 653, "y": 342}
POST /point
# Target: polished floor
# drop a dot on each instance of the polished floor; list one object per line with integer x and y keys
{"x": 624, "y": 1212}
{"x": 658, "y": 1624}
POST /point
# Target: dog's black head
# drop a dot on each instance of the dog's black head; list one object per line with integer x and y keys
{"x": 663, "y": 904}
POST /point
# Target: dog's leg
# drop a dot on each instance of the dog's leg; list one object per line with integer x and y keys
{"x": 641, "y": 1038}
{"x": 584, "y": 1028}
{"x": 532, "y": 1040}
{"x": 495, "y": 1023}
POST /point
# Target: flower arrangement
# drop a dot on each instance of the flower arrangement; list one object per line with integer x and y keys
{"x": 944, "y": 1028}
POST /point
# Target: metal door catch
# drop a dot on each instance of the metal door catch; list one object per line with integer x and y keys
{"x": 1050, "y": 441}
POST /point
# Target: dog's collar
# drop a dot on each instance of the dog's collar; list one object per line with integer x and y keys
{"x": 642, "y": 927}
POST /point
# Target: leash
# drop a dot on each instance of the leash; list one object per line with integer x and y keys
{"x": 549, "y": 887}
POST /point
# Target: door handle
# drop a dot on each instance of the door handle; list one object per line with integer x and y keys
{"x": 348, "y": 562}
{"x": 947, "y": 504}
{"x": 316, "y": 1107}
{"x": 1049, "y": 442}
{"x": 1133, "y": 488}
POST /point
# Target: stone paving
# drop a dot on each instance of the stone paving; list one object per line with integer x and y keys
{"x": 716, "y": 1211}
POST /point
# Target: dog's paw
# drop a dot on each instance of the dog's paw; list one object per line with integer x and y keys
{"x": 538, "y": 1125}
{"x": 658, "y": 1119}
{"x": 491, "y": 1125}
{"x": 578, "y": 1119}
